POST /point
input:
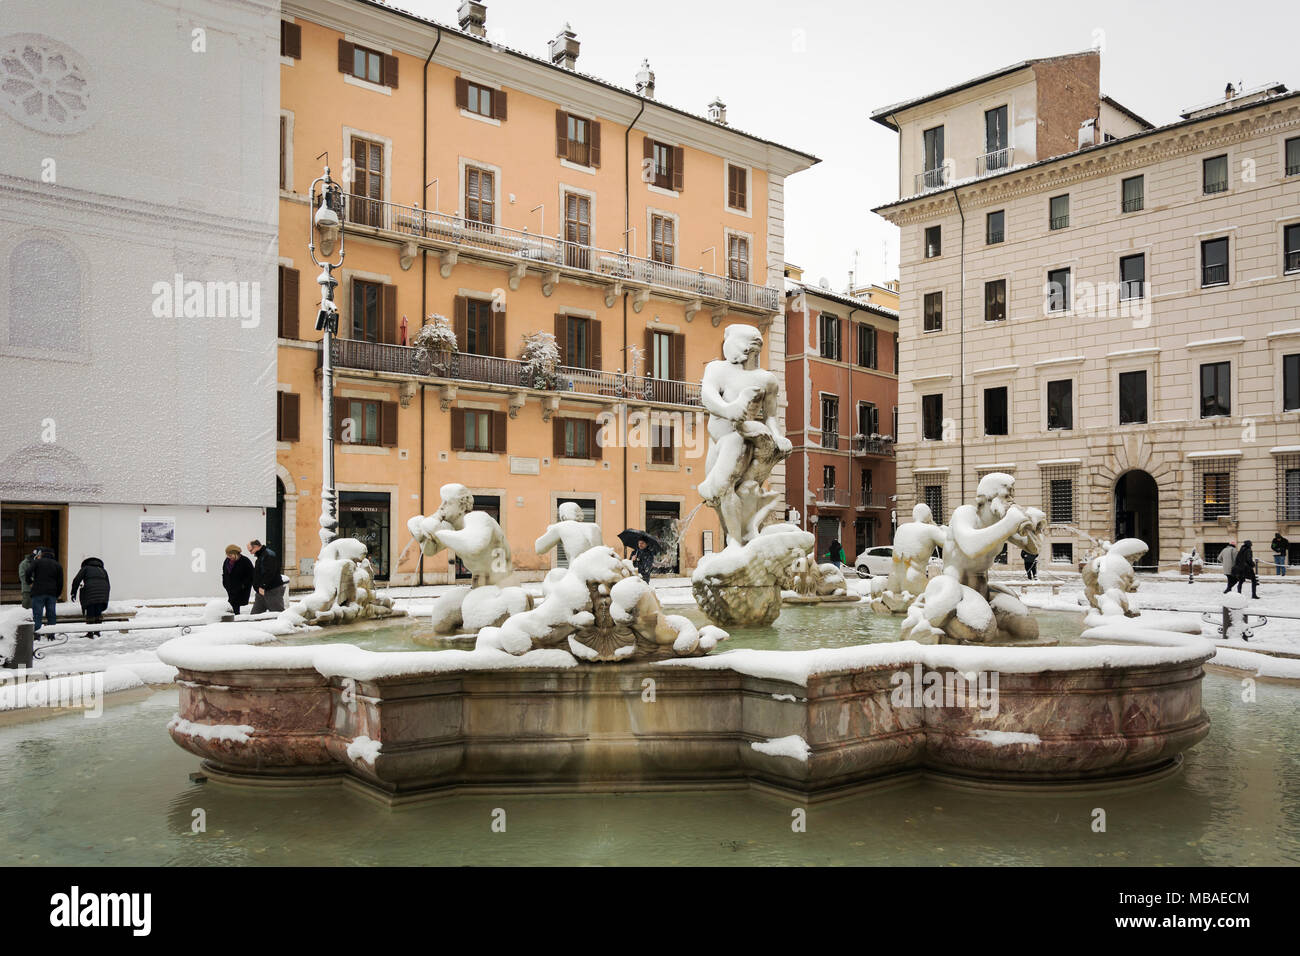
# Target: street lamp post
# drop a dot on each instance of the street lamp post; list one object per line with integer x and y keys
{"x": 328, "y": 224}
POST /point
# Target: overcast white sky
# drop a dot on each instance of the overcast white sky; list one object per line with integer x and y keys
{"x": 1158, "y": 58}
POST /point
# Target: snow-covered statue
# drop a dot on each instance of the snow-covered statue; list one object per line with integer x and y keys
{"x": 960, "y": 606}
{"x": 740, "y": 584}
{"x": 600, "y": 610}
{"x": 477, "y": 539}
{"x": 914, "y": 543}
{"x": 814, "y": 583}
{"x": 573, "y": 533}
{"x": 1108, "y": 578}
{"x": 344, "y": 588}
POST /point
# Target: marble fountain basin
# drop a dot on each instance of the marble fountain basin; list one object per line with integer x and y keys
{"x": 404, "y": 726}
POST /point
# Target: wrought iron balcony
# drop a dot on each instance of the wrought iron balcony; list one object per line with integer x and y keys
{"x": 548, "y": 254}
{"x": 833, "y": 497}
{"x": 829, "y": 439}
{"x": 931, "y": 179}
{"x": 872, "y": 499}
{"x": 867, "y": 445}
{"x": 511, "y": 373}
{"x": 994, "y": 161}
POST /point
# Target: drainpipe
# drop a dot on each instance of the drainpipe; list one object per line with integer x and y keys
{"x": 849, "y": 366}
{"x": 424, "y": 273}
{"x": 627, "y": 222}
{"x": 961, "y": 338}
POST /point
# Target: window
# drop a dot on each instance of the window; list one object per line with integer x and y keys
{"x": 284, "y": 151}
{"x": 1291, "y": 248}
{"x": 663, "y": 248}
{"x": 661, "y": 363}
{"x": 1062, "y": 552}
{"x": 828, "y": 479}
{"x": 663, "y": 164}
{"x": 994, "y": 224}
{"x": 478, "y": 430}
{"x": 478, "y": 328}
{"x": 1133, "y": 397}
{"x": 737, "y": 187}
{"x": 895, "y": 363}
{"x": 577, "y": 139}
{"x": 286, "y": 416}
{"x": 995, "y": 300}
{"x": 662, "y": 443}
{"x": 829, "y": 327}
{"x": 1214, "y": 262}
{"x": 1058, "y": 290}
{"x": 866, "y": 488}
{"x": 578, "y": 438}
{"x": 932, "y": 417}
{"x": 480, "y": 196}
{"x": 1058, "y": 215}
{"x": 482, "y": 100}
{"x": 1290, "y": 383}
{"x": 1060, "y": 500}
{"x": 830, "y": 422}
{"x": 738, "y": 258}
{"x": 995, "y": 411}
{"x": 933, "y": 241}
{"x": 1132, "y": 276}
{"x": 361, "y": 422}
{"x": 367, "y": 310}
{"x": 287, "y": 324}
{"x": 933, "y": 311}
{"x": 867, "y": 357}
{"x": 577, "y": 349}
{"x": 290, "y": 40}
{"x": 933, "y": 497}
{"x": 365, "y": 422}
{"x": 1293, "y": 156}
{"x": 1060, "y": 405}
{"x": 1216, "y": 389}
{"x": 1214, "y": 174}
{"x": 1288, "y": 488}
{"x": 1132, "y": 194}
{"x": 995, "y": 139}
{"x": 367, "y": 182}
{"x": 1216, "y": 495}
{"x": 366, "y": 64}
{"x": 868, "y": 419}
{"x": 933, "y": 144}
{"x": 577, "y": 230}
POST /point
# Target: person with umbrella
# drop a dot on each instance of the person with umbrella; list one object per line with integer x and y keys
{"x": 644, "y": 548}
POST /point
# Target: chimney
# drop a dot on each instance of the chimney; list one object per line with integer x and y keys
{"x": 1229, "y": 92}
{"x": 473, "y": 17}
{"x": 718, "y": 111}
{"x": 1087, "y": 132}
{"x": 564, "y": 48}
{"x": 645, "y": 80}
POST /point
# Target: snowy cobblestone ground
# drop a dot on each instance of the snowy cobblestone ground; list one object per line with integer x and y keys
{"x": 121, "y": 655}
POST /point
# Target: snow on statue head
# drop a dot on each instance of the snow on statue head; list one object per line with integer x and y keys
{"x": 344, "y": 587}
{"x": 914, "y": 543}
{"x": 570, "y": 511}
{"x": 741, "y": 344}
{"x": 457, "y": 501}
{"x": 922, "y": 514}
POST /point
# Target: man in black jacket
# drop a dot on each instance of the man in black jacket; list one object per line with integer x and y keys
{"x": 236, "y": 577}
{"x": 46, "y": 578}
{"x": 266, "y": 578}
{"x": 1280, "y": 546}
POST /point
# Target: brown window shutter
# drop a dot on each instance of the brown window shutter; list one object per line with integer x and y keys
{"x": 731, "y": 185}
{"x": 345, "y": 56}
{"x": 593, "y": 338}
{"x": 594, "y": 450}
{"x": 388, "y": 423}
{"x": 840, "y": 344}
{"x": 290, "y": 39}
{"x": 279, "y": 416}
{"x": 499, "y": 104}
{"x": 557, "y": 437}
{"x": 288, "y": 319}
{"x": 678, "y": 159}
{"x": 677, "y": 367}
{"x": 499, "y": 432}
{"x": 742, "y": 188}
{"x": 458, "y": 429}
{"x": 648, "y": 363}
{"x": 499, "y": 334}
{"x": 462, "y": 93}
{"x": 290, "y": 418}
{"x": 562, "y": 133}
{"x": 388, "y": 333}
{"x": 460, "y": 321}
{"x": 647, "y": 147}
{"x": 390, "y": 71}
{"x": 340, "y": 413}
{"x": 562, "y": 337}
{"x": 595, "y": 143}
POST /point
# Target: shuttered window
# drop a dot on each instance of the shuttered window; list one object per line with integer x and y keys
{"x": 738, "y": 258}
{"x": 663, "y": 164}
{"x": 576, "y": 438}
{"x": 662, "y": 443}
{"x": 363, "y": 422}
{"x": 480, "y": 195}
{"x": 577, "y": 231}
{"x": 290, "y": 40}
{"x": 663, "y": 246}
{"x": 367, "y": 183}
{"x": 286, "y": 416}
{"x": 579, "y": 341}
{"x": 737, "y": 187}
{"x": 374, "y": 312}
{"x": 829, "y": 338}
{"x": 366, "y": 64}
{"x": 287, "y": 324}
{"x": 577, "y": 139}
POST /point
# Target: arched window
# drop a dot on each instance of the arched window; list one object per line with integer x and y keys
{"x": 44, "y": 296}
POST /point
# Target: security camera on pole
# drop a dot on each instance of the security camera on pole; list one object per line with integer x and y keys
{"x": 327, "y": 226}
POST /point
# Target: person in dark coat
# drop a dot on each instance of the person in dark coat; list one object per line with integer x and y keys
{"x": 92, "y": 582}
{"x": 266, "y": 579}
{"x": 236, "y": 577}
{"x": 1031, "y": 565}
{"x": 46, "y": 578}
{"x": 835, "y": 552}
{"x": 1280, "y": 546}
{"x": 23, "y": 583}
{"x": 1243, "y": 570}
{"x": 644, "y": 559}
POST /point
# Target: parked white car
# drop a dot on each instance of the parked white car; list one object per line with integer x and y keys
{"x": 875, "y": 561}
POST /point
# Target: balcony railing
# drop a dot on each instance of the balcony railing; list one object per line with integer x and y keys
{"x": 931, "y": 179}
{"x": 1214, "y": 275}
{"x": 545, "y": 251}
{"x": 837, "y": 497}
{"x": 829, "y": 439}
{"x": 511, "y": 373}
{"x": 873, "y": 446}
{"x": 871, "y": 499}
{"x": 997, "y": 159}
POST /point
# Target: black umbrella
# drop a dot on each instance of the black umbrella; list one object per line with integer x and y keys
{"x": 630, "y": 537}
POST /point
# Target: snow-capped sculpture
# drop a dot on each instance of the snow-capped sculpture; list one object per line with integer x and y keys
{"x": 814, "y": 583}
{"x": 914, "y": 543}
{"x": 477, "y": 539}
{"x": 600, "y": 610}
{"x": 573, "y": 533}
{"x": 960, "y": 606}
{"x": 741, "y": 583}
{"x": 1108, "y": 578}
{"x": 344, "y": 588}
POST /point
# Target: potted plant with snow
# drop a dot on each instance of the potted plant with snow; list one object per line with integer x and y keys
{"x": 540, "y": 358}
{"x": 434, "y": 345}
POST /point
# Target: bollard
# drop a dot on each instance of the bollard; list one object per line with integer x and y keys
{"x": 24, "y": 643}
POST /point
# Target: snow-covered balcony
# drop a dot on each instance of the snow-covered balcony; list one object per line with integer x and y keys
{"x": 833, "y": 497}
{"x": 873, "y": 445}
{"x": 453, "y": 236}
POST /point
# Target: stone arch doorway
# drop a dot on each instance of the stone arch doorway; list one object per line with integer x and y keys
{"x": 1137, "y": 513}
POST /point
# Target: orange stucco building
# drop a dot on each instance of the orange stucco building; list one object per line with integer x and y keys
{"x": 842, "y": 386}
{"x": 511, "y": 195}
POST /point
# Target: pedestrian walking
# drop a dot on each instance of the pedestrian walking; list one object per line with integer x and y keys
{"x": 92, "y": 584}
{"x": 1031, "y": 565}
{"x": 1280, "y": 548}
{"x": 45, "y": 575}
{"x": 23, "y": 566}
{"x": 1227, "y": 558}
{"x": 236, "y": 577}
{"x": 835, "y": 553}
{"x": 644, "y": 559}
{"x": 266, "y": 578}
{"x": 1243, "y": 570}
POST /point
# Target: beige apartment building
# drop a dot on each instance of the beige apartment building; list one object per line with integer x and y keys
{"x": 1112, "y": 316}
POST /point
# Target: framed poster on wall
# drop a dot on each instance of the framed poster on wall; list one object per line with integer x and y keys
{"x": 157, "y": 535}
